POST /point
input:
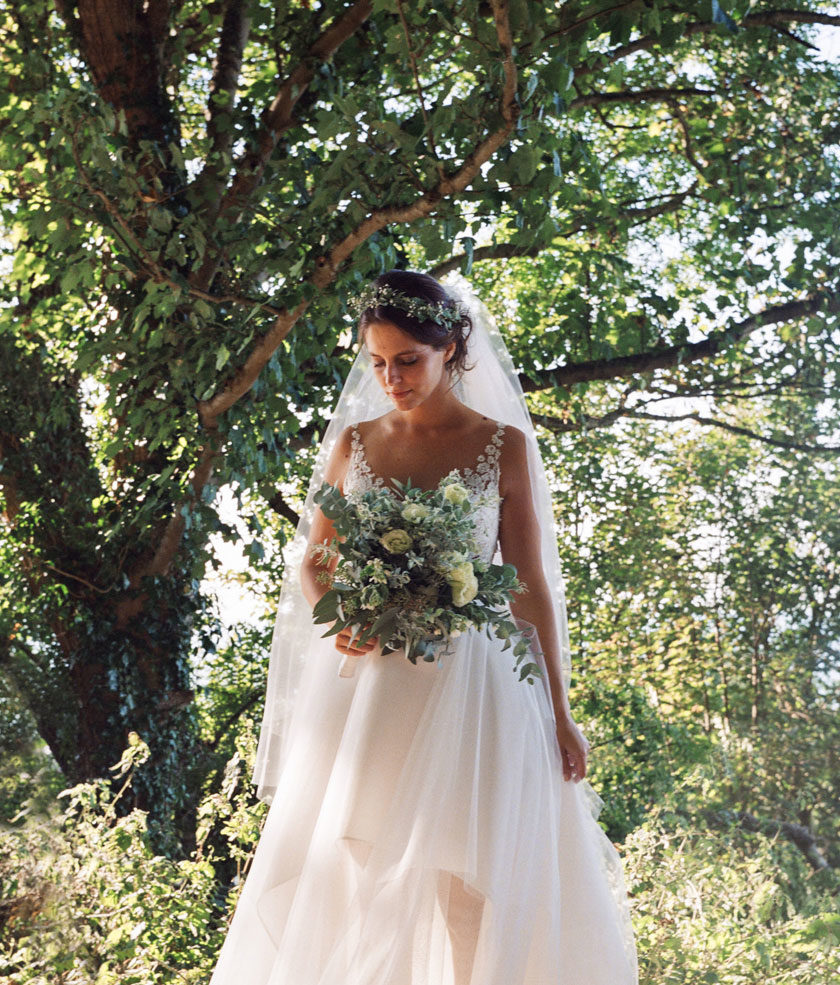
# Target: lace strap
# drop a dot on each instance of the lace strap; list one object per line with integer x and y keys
{"x": 487, "y": 466}
{"x": 493, "y": 451}
{"x": 358, "y": 465}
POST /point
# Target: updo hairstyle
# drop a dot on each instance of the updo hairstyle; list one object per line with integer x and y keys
{"x": 428, "y": 331}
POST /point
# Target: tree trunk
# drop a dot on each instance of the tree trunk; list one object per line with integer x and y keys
{"x": 88, "y": 677}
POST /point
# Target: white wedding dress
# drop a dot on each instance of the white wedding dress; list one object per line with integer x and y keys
{"x": 424, "y": 804}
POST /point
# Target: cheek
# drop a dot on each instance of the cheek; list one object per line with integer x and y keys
{"x": 438, "y": 368}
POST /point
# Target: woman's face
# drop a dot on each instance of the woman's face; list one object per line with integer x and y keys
{"x": 407, "y": 370}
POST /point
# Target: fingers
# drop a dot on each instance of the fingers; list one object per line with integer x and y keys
{"x": 577, "y": 769}
{"x": 573, "y": 768}
{"x": 567, "y": 765}
{"x": 574, "y": 761}
{"x": 345, "y": 641}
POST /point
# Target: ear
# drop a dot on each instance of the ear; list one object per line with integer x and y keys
{"x": 448, "y": 353}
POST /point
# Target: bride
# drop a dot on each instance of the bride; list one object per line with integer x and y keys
{"x": 429, "y": 822}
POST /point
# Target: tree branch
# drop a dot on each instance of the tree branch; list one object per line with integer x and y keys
{"x": 170, "y": 537}
{"x": 588, "y": 422}
{"x": 413, "y": 59}
{"x": 788, "y": 16}
{"x": 796, "y": 38}
{"x": 275, "y": 120}
{"x": 798, "y": 834}
{"x": 670, "y": 356}
{"x": 663, "y": 94}
{"x": 282, "y": 508}
{"x": 691, "y": 157}
{"x": 82, "y": 581}
{"x": 510, "y": 251}
{"x": 737, "y": 429}
{"x": 767, "y": 18}
{"x": 9, "y": 482}
{"x": 222, "y": 95}
{"x": 233, "y": 717}
{"x": 497, "y": 251}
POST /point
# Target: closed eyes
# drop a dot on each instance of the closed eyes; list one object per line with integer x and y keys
{"x": 403, "y": 362}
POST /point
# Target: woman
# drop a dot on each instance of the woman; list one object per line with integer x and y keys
{"x": 425, "y": 828}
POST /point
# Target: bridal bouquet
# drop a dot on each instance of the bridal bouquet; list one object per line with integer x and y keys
{"x": 407, "y": 572}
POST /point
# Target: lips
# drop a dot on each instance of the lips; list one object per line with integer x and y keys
{"x": 400, "y": 393}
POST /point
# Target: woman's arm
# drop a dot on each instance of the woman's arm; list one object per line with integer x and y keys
{"x": 519, "y": 538}
{"x": 313, "y": 572}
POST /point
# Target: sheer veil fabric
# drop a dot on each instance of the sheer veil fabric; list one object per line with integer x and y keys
{"x": 420, "y": 829}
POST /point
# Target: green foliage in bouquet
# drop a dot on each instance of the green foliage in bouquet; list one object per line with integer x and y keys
{"x": 407, "y": 571}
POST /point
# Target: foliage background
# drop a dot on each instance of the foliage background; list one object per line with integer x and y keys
{"x": 645, "y": 194}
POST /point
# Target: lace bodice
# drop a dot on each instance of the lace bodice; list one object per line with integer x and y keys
{"x": 482, "y": 481}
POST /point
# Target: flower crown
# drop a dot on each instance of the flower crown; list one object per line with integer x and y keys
{"x": 447, "y": 315}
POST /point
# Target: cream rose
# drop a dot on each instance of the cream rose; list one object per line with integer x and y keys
{"x": 414, "y": 512}
{"x": 463, "y": 582}
{"x": 456, "y": 493}
{"x": 454, "y": 558}
{"x": 396, "y": 541}
{"x": 449, "y": 560}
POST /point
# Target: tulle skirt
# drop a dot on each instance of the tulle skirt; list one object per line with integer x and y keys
{"x": 422, "y": 834}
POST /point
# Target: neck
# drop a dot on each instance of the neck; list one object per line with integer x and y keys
{"x": 440, "y": 411}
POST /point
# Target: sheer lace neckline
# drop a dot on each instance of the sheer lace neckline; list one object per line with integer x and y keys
{"x": 479, "y": 479}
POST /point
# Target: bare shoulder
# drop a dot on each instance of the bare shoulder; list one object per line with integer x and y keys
{"x": 339, "y": 458}
{"x": 513, "y": 461}
{"x": 476, "y": 426}
{"x": 375, "y": 426}
{"x": 514, "y": 446}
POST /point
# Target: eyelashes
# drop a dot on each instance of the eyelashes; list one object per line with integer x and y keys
{"x": 405, "y": 362}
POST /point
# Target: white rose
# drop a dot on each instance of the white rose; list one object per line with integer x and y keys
{"x": 449, "y": 560}
{"x": 456, "y": 494}
{"x": 396, "y": 541}
{"x": 463, "y": 582}
{"x": 414, "y": 512}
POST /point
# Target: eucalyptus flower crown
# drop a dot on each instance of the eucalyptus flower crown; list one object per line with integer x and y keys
{"x": 447, "y": 314}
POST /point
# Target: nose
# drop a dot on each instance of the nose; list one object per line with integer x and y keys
{"x": 392, "y": 373}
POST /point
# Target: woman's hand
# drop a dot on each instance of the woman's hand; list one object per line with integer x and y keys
{"x": 344, "y": 642}
{"x": 574, "y": 749}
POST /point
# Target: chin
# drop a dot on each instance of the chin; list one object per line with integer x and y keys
{"x": 407, "y": 402}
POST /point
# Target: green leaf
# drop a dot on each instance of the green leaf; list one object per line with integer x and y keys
{"x": 522, "y": 165}
{"x": 222, "y": 356}
{"x": 326, "y": 607}
{"x": 383, "y": 627}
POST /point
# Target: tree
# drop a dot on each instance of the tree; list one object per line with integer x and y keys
{"x": 704, "y": 617}
{"x": 191, "y": 192}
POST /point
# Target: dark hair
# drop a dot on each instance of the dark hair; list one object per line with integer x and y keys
{"x": 427, "y": 331}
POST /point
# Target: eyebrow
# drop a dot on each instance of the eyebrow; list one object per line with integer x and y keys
{"x": 405, "y": 352}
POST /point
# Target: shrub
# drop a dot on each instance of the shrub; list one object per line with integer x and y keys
{"x": 84, "y": 900}
{"x": 718, "y": 904}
